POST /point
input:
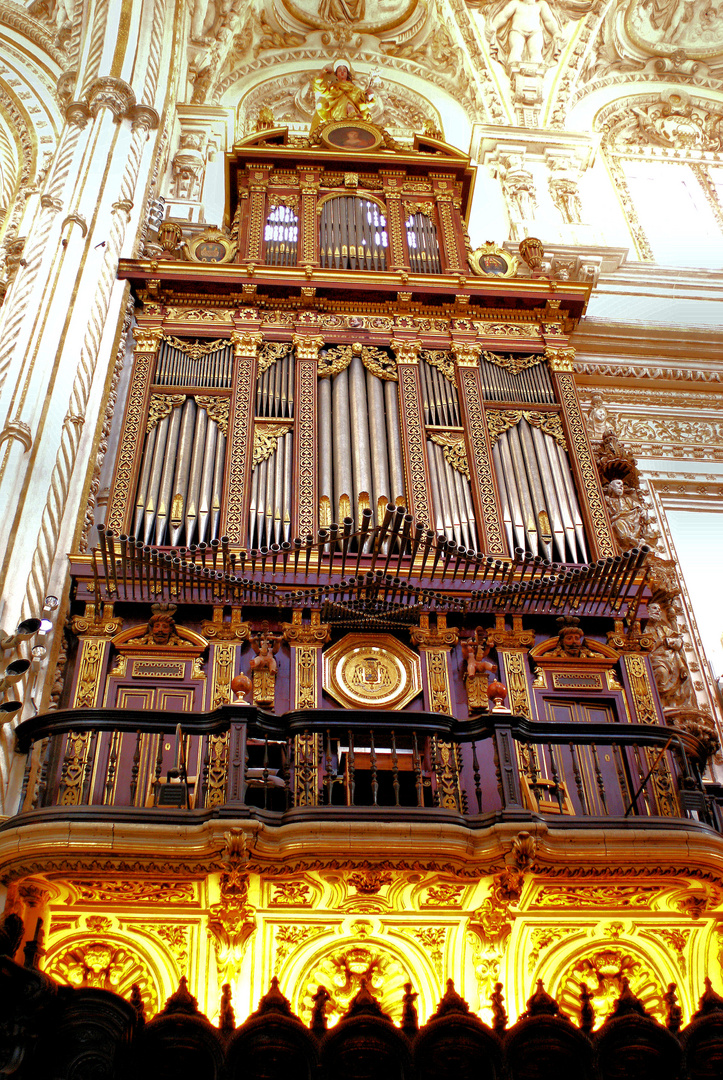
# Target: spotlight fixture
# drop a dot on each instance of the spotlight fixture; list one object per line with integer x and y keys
{"x": 50, "y": 603}
{"x": 13, "y": 673}
{"x": 26, "y": 629}
{"x": 8, "y": 710}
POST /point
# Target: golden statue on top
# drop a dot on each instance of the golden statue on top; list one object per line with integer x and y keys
{"x": 338, "y": 97}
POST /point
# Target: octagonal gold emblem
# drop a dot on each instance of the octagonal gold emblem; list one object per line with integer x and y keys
{"x": 372, "y": 672}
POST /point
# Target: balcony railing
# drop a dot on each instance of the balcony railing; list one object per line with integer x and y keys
{"x": 238, "y": 761}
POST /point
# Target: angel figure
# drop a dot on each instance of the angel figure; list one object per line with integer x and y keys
{"x": 520, "y": 28}
{"x": 265, "y": 645}
{"x": 475, "y": 650}
{"x": 338, "y": 97}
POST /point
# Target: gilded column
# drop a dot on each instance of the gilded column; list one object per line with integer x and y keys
{"x": 411, "y": 419}
{"x": 306, "y": 647}
{"x": 455, "y": 255}
{"x": 308, "y": 222}
{"x": 303, "y": 512}
{"x": 512, "y": 647}
{"x": 434, "y": 645}
{"x": 245, "y": 347}
{"x": 484, "y": 491}
{"x": 395, "y": 221}
{"x": 95, "y": 629}
{"x": 582, "y": 463}
{"x": 148, "y": 338}
{"x": 306, "y": 643}
{"x": 257, "y": 214}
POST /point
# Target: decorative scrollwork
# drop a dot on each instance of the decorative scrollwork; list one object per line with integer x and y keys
{"x": 454, "y": 450}
{"x": 196, "y": 349}
{"x": 442, "y": 361}
{"x": 217, "y": 409}
{"x": 269, "y": 353}
{"x": 549, "y": 423}
{"x": 266, "y": 436}
{"x": 160, "y": 406}
{"x": 514, "y": 364}
{"x": 376, "y": 360}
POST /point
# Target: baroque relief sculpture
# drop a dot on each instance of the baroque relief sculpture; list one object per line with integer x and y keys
{"x": 338, "y": 97}
{"x": 631, "y": 521}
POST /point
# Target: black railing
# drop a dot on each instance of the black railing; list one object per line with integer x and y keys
{"x": 239, "y": 760}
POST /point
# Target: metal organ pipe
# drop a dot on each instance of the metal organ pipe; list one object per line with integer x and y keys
{"x": 352, "y": 234}
{"x": 539, "y": 503}
{"x": 394, "y": 442}
{"x": 181, "y": 482}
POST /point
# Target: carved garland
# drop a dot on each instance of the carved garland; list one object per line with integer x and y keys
{"x": 196, "y": 349}
{"x": 266, "y": 437}
{"x": 454, "y": 450}
{"x": 511, "y": 362}
{"x": 269, "y": 353}
{"x": 378, "y": 361}
{"x": 548, "y": 423}
{"x": 442, "y": 361}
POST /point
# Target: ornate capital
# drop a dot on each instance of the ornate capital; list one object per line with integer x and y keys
{"x": 314, "y": 636}
{"x": 246, "y": 342}
{"x": 77, "y": 112}
{"x": 145, "y": 117}
{"x": 96, "y": 623}
{"x": 49, "y": 202}
{"x": 466, "y": 353}
{"x": 17, "y": 429}
{"x": 108, "y": 92}
{"x": 560, "y": 359}
{"x": 516, "y": 638}
{"x": 307, "y": 346}
{"x": 148, "y": 338}
{"x": 406, "y": 352}
{"x": 439, "y": 637}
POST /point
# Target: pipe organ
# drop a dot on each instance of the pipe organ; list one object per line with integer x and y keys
{"x": 281, "y": 235}
{"x": 360, "y": 446}
{"x": 352, "y": 234}
{"x": 356, "y": 568}
{"x": 308, "y": 408}
{"x": 422, "y": 243}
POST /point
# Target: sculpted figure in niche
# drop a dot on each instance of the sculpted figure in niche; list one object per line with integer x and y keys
{"x": 338, "y": 97}
{"x": 668, "y": 660}
{"x": 520, "y": 28}
{"x": 630, "y": 520}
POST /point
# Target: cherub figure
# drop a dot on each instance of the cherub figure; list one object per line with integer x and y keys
{"x": 525, "y": 23}
{"x": 265, "y": 645}
{"x": 475, "y": 650}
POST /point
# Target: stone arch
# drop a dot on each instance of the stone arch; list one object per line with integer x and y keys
{"x": 340, "y": 964}
{"x": 110, "y": 962}
{"x": 602, "y": 965}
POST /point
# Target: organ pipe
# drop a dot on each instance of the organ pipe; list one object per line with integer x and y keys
{"x": 194, "y": 364}
{"x": 451, "y": 498}
{"x": 516, "y": 379}
{"x": 540, "y": 510}
{"x": 422, "y": 245}
{"x": 360, "y": 444}
{"x": 179, "y": 493}
{"x": 281, "y": 236}
{"x": 271, "y": 491}
{"x": 352, "y": 234}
